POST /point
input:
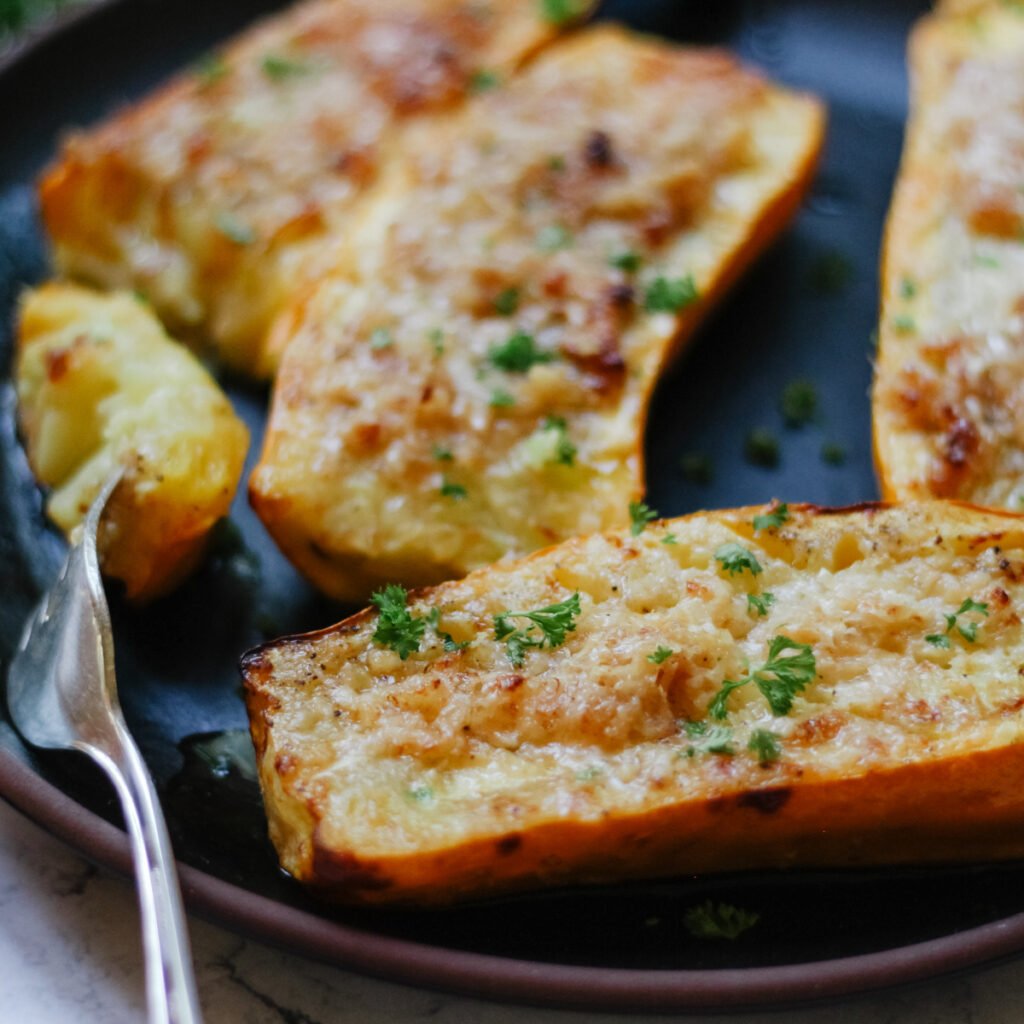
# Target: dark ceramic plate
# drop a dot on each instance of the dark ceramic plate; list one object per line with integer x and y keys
{"x": 806, "y": 311}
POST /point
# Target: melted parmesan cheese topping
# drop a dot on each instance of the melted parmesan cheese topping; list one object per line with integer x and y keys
{"x": 949, "y": 394}
{"x": 396, "y": 755}
{"x": 220, "y": 193}
{"x": 512, "y": 224}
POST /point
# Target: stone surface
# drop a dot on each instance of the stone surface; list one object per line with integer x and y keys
{"x": 69, "y": 951}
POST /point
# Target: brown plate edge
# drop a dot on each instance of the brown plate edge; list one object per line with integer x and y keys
{"x": 508, "y": 980}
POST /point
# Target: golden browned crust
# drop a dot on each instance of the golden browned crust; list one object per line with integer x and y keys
{"x": 456, "y": 773}
{"x": 948, "y": 403}
{"x": 219, "y": 193}
{"x": 400, "y": 444}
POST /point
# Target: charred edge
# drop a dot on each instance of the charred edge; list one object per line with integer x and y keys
{"x": 507, "y": 845}
{"x": 767, "y": 801}
{"x": 344, "y": 870}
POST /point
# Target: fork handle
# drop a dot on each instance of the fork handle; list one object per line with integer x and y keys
{"x": 170, "y": 985}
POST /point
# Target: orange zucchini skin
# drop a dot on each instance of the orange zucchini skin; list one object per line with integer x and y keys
{"x": 454, "y": 775}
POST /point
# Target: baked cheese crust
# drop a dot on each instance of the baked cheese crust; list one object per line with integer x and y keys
{"x": 101, "y": 386}
{"x": 457, "y": 772}
{"x": 948, "y": 402}
{"x": 472, "y": 380}
{"x": 221, "y": 191}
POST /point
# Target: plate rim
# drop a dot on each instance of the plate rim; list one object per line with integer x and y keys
{"x": 479, "y": 975}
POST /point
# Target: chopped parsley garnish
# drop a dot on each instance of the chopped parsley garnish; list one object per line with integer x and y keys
{"x": 507, "y": 302}
{"x": 558, "y": 12}
{"x": 397, "y": 627}
{"x": 735, "y": 558}
{"x": 696, "y": 468}
{"x": 484, "y": 80}
{"x": 553, "y": 237}
{"x": 452, "y": 490}
{"x": 625, "y": 259}
{"x": 991, "y": 262}
{"x": 588, "y": 774}
{"x": 669, "y": 538}
{"x": 715, "y": 739}
{"x": 556, "y": 163}
{"x": 547, "y": 626}
{"x": 279, "y": 68}
{"x": 799, "y": 403}
{"x": 233, "y": 229}
{"x": 758, "y": 604}
{"x": 718, "y": 921}
{"x": 830, "y": 272}
{"x": 640, "y": 514}
{"x": 210, "y": 68}
{"x": 550, "y": 444}
{"x": 381, "y": 338}
{"x": 420, "y": 793}
{"x": 762, "y": 448}
{"x": 448, "y": 641}
{"x": 968, "y": 630}
{"x": 908, "y": 288}
{"x": 501, "y": 399}
{"x": 669, "y": 295}
{"x": 442, "y": 453}
{"x": 518, "y": 354}
{"x": 773, "y": 519}
{"x": 436, "y": 338}
{"x": 766, "y": 745}
{"x": 660, "y": 654}
{"x": 779, "y": 679}
{"x": 904, "y": 324}
{"x": 833, "y": 454}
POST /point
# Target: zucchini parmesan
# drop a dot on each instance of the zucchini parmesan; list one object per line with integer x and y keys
{"x": 948, "y": 403}
{"x": 471, "y": 381}
{"x": 100, "y": 386}
{"x": 217, "y": 195}
{"x": 764, "y": 687}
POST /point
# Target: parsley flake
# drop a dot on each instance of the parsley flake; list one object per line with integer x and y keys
{"x": 669, "y": 295}
{"x": 552, "y": 622}
{"x": 660, "y": 654}
{"x": 449, "y": 642}
{"x": 558, "y": 12}
{"x": 908, "y": 288}
{"x": 968, "y": 630}
{"x": 553, "y": 237}
{"x": 436, "y": 338}
{"x": 233, "y": 229}
{"x": 210, "y": 69}
{"x": 397, "y": 627}
{"x": 640, "y": 515}
{"x": 758, "y": 604}
{"x": 507, "y": 302}
{"x": 799, "y": 403}
{"x": 762, "y": 448}
{"x": 766, "y": 745}
{"x": 381, "y": 338}
{"x": 501, "y": 399}
{"x": 628, "y": 260}
{"x": 518, "y": 354}
{"x": 779, "y": 679}
{"x": 483, "y": 80}
{"x": 442, "y": 453}
{"x": 772, "y": 519}
{"x": 735, "y": 559}
{"x": 904, "y": 324}
{"x": 718, "y": 921}
{"x": 454, "y": 491}
{"x": 279, "y": 68}
{"x": 669, "y": 538}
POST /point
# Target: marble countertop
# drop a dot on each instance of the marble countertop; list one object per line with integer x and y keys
{"x": 69, "y": 951}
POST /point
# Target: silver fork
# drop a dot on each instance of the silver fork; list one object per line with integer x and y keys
{"x": 62, "y": 694}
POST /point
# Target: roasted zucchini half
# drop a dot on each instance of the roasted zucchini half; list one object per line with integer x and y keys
{"x": 100, "y": 386}
{"x": 472, "y": 379}
{"x": 948, "y": 403}
{"x": 219, "y": 193}
{"x": 764, "y": 687}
